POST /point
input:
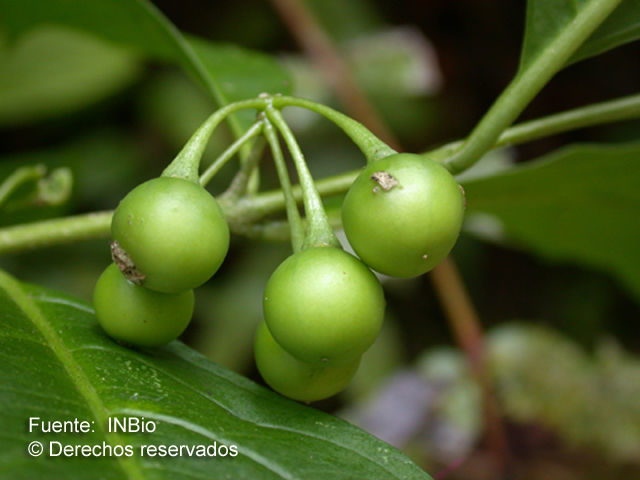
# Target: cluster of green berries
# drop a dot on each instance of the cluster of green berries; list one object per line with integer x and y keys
{"x": 169, "y": 237}
{"x": 323, "y": 307}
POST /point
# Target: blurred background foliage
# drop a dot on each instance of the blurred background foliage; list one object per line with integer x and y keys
{"x": 86, "y": 120}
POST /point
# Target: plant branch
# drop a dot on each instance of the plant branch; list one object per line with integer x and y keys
{"x": 623, "y": 108}
{"x": 33, "y": 235}
{"x": 278, "y": 230}
{"x": 55, "y": 232}
{"x": 259, "y": 206}
{"x": 466, "y": 328}
{"x": 527, "y": 83}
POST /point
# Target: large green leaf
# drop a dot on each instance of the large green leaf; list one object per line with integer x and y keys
{"x": 58, "y": 365}
{"x": 580, "y": 204}
{"x": 546, "y": 19}
{"x": 141, "y": 26}
{"x": 52, "y": 70}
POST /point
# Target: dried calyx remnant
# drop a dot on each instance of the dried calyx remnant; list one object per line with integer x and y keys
{"x": 122, "y": 259}
{"x": 385, "y": 180}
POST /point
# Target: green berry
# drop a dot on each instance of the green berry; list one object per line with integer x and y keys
{"x": 171, "y": 235}
{"x": 403, "y": 214}
{"x": 136, "y": 315}
{"x": 296, "y": 379}
{"x": 324, "y": 306}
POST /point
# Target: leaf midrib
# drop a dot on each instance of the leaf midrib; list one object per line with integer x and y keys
{"x": 149, "y": 414}
{"x": 129, "y": 465}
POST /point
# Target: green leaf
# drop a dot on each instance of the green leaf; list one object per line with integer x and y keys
{"x": 241, "y": 73}
{"x": 58, "y": 365}
{"x": 622, "y": 26}
{"x": 138, "y": 24}
{"x": 547, "y": 19}
{"x": 52, "y": 71}
{"x": 579, "y": 204}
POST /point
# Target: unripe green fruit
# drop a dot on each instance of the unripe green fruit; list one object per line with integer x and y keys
{"x": 173, "y": 232}
{"x": 296, "y": 379}
{"x": 403, "y": 214}
{"x": 139, "y": 316}
{"x": 324, "y": 306}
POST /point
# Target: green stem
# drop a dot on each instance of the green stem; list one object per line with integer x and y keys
{"x": 293, "y": 215}
{"x": 278, "y": 230}
{"x": 240, "y": 185}
{"x": 249, "y": 209}
{"x": 372, "y": 147}
{"x": 624, "y": 108}
{"x": 319, "y": 232}
{"x": 54, "y": 232}
{"x": 225, "y": 156}
{"x": 253, "y": 181}
{"x": 187, "y": 162}
{"x": 526, "y": 85}
{"x": 253, "y": 208}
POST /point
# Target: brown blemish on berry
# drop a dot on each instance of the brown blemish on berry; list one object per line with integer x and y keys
{"x": 385, "y": 180}
{"x": 122, "y": 259}
{"x": 464, "y": 197}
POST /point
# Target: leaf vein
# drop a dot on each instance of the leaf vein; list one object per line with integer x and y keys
{"x": 77, "y": 376}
